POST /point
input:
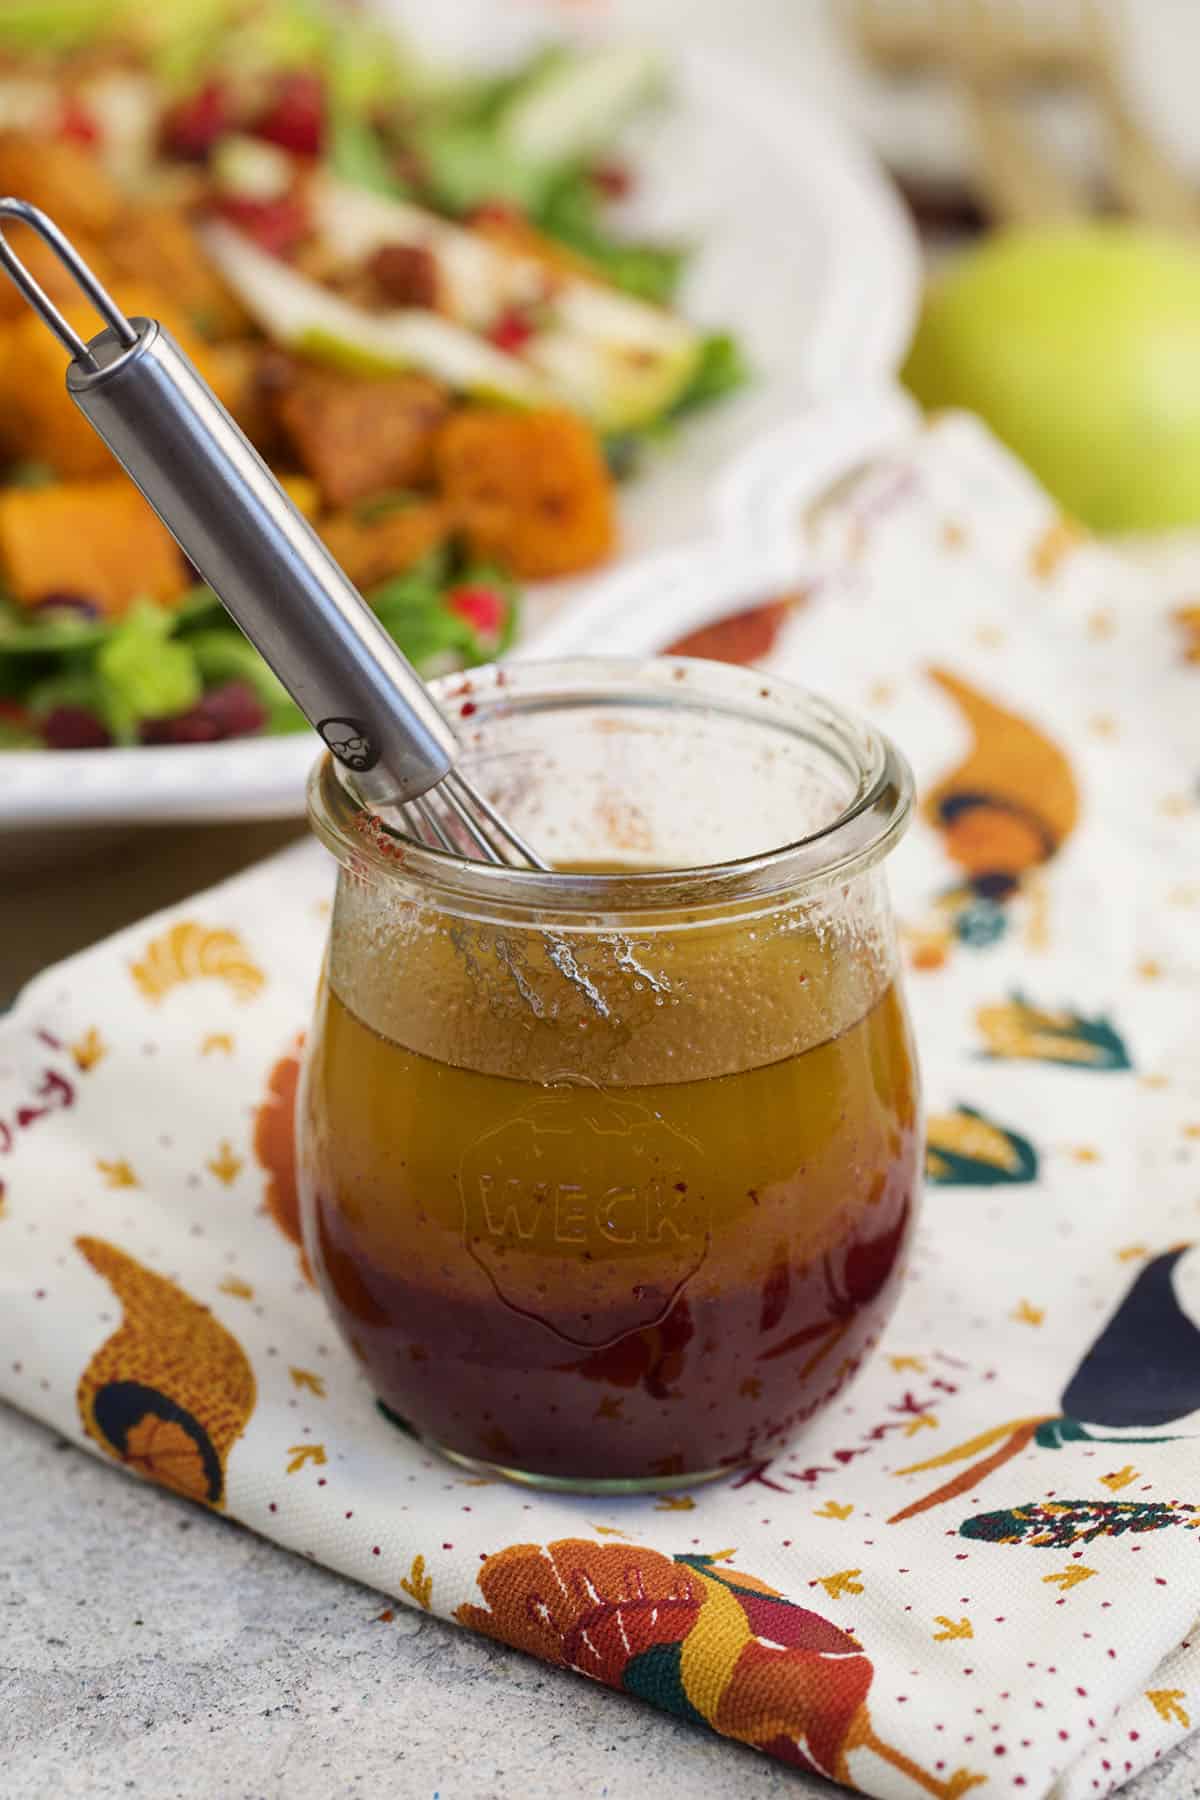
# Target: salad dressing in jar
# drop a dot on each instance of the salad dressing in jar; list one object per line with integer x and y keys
{"x": 608, "y": 1174}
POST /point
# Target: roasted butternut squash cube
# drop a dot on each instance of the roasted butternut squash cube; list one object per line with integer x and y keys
{"x": 156, "y": 245}
{"x": 63, "y": 179}
{"x": 371, "y": 549}
{"x": 360, "y": 435}
{"x": 38, "y": 419}
{"x": 95, "y": 540}
{"x": 529, "y": 489}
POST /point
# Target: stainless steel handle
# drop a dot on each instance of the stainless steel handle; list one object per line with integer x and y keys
{"x": 221, "y": 502}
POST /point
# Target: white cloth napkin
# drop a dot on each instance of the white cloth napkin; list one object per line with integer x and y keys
{"x": 978, "y": 1571}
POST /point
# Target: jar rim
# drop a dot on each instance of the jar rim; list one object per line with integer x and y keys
{"x": 859, "y": 835}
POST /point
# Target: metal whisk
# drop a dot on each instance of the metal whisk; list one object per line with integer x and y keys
{"x": 233, "y": 521}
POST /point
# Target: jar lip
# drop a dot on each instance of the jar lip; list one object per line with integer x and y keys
{"x": 862, "y": 833}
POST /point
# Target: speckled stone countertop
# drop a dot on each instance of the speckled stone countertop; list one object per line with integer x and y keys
{"x": 150, "y": 1649}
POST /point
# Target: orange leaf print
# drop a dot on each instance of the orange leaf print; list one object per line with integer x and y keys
{"x": 302, "y": 1454}
{"x": 225, "y": 1165}
{"x": 88, "y": 1050}
{"x": 701, "y": 1639}
{"x": 1060, "y": 537}
{"x": 1168, "y": 1704}
{"x": 117, "y": 1174}
{"x": 844, "y": 1582}
{"x": 417, "y": 1584}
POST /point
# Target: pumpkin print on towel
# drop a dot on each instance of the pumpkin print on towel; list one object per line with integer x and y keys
{"x": 1141, "y": 1374}
{"x": 275, "y": 1148}
{"x": 699, "y": 1639}
{"x": 171, "y": 1391}
{"x": 1002, "y": 814}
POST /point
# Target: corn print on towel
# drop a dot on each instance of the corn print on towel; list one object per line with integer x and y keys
{"x": 977, "y": 1571}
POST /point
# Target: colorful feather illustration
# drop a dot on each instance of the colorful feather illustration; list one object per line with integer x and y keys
{"x": 1057, "y": 1524}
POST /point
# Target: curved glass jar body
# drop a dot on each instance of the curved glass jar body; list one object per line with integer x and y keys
{"x": 608, "y": 1177}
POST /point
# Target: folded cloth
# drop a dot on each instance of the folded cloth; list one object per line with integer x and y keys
{"x": 977, "y": 1570}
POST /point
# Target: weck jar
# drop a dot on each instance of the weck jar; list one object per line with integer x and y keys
{"x": 608, "y": 1174}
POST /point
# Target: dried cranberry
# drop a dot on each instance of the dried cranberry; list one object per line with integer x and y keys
{"x": 406, "y": 274}
{"x": 231, "y": 710}
{"x": 277, "y": 226}
{"x": 482, "y": 607}
{"x": 77, "y": 123}
{"x": 74, "y": 728}
{"x": 60, "y": 600}
{"x": 192, "y": 127}
{"x": 512, "y": 330}
{"x": 295, "y": 119}
{"x": 612, "y": 179}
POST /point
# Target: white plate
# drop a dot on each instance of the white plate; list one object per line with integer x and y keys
{"x": 803, "y": 251}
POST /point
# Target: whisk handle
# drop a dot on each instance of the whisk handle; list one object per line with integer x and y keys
{"x": 268, "y": 566}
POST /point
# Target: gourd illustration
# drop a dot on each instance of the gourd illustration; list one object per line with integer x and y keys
{"x": 1004, "y": 812}
{"x": 171, "y": 1391}
{"x": 1010, "y": 804}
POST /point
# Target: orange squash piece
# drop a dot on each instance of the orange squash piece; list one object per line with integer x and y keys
{"x": 95, "y": 539}
{"x": 359, "y": 435}
{"x": 63, "y": 179}
{"x": 40, "y": 422}
{"x": 155, "y": 245}
{"x": 370, "y": 550}
{"x": 303, "y": 493}
{"x": 529, "y": 489}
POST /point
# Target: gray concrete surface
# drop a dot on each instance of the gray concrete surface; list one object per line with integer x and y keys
{"x": 150, "y": 1651}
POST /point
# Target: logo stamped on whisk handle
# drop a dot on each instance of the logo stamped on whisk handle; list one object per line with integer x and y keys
{"x": 351, "y": 742}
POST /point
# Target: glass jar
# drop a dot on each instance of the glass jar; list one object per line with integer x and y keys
{"x": 607, "y": 1175}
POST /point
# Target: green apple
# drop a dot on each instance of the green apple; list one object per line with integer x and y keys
{"x": 1080, "y": 347}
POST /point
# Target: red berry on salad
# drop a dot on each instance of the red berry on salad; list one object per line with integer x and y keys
{"x": 74, "y": 728}
{"x": 277, "y": 226}
{"x": 295, "y": 119}
{"x": 512, "y": 330}
{"x": 192, "y": 127}
{"x": 77, "y": 124}
{"x": 497, "y": 212}
{"x": 484, "y": 609}
{"x": 612, "y": 179}
{"x": 231, "y": 710}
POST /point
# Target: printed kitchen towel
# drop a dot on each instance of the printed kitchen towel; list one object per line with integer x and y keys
{"x": 977, "y": 1572}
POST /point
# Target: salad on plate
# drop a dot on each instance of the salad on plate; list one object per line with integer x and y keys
{"x": 408, "y": 285}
